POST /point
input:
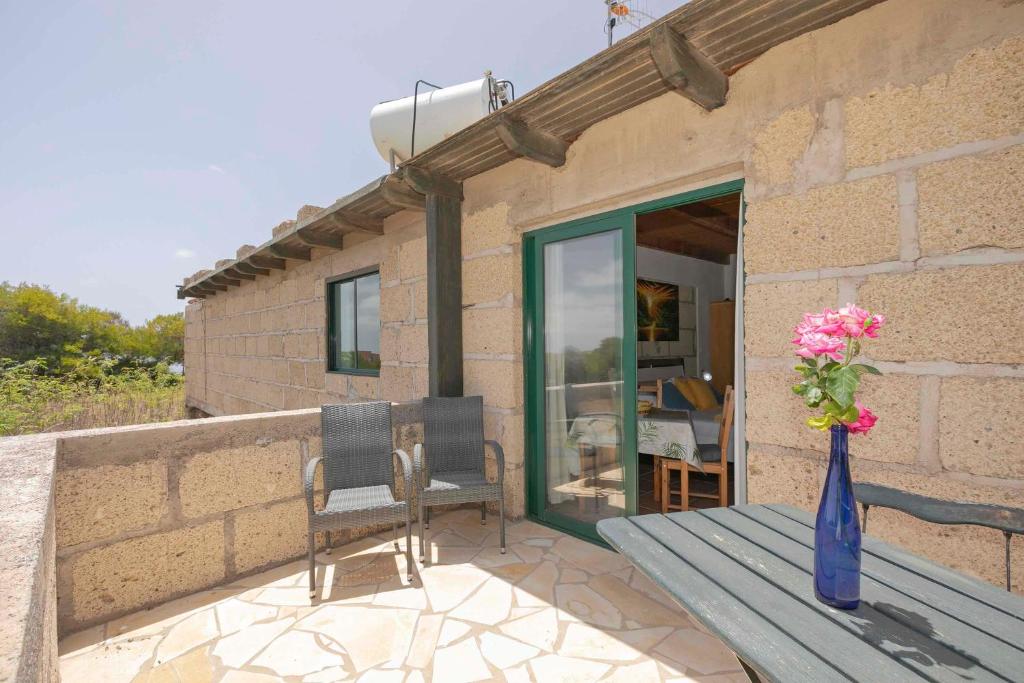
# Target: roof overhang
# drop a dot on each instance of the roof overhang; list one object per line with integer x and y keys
{"x": 691, "y": 50}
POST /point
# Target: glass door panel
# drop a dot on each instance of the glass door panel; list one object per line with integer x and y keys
{"x": 582, "y": 384}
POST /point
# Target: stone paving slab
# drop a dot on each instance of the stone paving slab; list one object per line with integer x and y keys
{"x": 552, "y": 609}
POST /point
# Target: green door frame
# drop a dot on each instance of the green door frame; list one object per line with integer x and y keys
{"x": 623, "y": 219}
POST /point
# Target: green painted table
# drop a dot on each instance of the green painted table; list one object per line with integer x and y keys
{"x": 745, "y": 573}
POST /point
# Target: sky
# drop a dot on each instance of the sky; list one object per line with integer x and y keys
{"x": 142, "y": 141}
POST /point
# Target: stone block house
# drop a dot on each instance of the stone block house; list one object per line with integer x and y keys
{"x": 863, "y": 151}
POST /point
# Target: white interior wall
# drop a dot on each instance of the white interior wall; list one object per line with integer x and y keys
{"x": 712, "y": 282}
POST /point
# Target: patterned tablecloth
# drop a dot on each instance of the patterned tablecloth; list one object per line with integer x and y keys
{"x": 668, "y": 434}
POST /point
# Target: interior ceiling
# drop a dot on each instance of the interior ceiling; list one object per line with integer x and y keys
{"x": 705, "y": 230}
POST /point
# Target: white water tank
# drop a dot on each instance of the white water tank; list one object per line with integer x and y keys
{"x": 439, "y": 114}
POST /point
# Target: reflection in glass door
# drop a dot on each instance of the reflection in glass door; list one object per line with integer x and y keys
{"x": 581, "y": 373}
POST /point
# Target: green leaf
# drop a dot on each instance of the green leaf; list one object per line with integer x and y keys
{"x": 800, "y": 389}
{"x": 822, "y": 423}
{"x": 811, "y": 362}
{"x": 829, "y": 366}
{"x": 842, "y": 384}
{"x": 850, "y": 414}
{"x": 813, "y": 396}
{"x": 869, "y": 369}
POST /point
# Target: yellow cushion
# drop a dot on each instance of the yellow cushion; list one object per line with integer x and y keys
{"x": 703, "y": 397}
{"x": 683, "y": 385}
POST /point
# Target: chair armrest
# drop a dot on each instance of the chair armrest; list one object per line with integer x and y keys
{"x": 308, "y": 482}
{"x": 407, "y": 471}
{"x": 499, "y": 456}
{"x": 419, "y": 466}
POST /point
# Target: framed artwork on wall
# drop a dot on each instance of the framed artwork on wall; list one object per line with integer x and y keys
{"x": 657, "y": 311}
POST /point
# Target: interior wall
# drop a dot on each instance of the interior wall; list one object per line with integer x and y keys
{"x": 707, "y": 278}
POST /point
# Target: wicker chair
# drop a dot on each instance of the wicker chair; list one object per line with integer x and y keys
{"x": 359, "y": 477}
{"x": 454, "y": 469}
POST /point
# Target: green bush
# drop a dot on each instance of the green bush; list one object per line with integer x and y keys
{"x": 90, "y": 392}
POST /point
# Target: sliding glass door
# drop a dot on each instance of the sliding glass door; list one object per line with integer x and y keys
{"x": 581, "y": 372}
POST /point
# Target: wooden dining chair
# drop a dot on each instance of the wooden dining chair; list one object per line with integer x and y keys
{"x": 715, "y": 459}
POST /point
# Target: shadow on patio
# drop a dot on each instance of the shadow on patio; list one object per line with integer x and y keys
{"x": 553, "y": 608}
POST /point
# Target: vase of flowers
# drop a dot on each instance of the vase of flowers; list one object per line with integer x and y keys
{"x": 828, "y": 343}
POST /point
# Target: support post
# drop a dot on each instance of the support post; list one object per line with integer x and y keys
{"x": 444, "y": 294}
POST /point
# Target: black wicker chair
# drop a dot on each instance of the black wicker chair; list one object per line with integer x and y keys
{"x": 359, "y": 477}
{"x": 453, "y": 471}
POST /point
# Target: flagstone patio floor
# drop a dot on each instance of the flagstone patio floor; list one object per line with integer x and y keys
{"x": 553, "y": 608}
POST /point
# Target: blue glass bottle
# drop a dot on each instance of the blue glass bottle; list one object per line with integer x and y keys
{"x": 837, "y": 532}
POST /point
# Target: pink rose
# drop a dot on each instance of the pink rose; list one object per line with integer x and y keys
{"x": 864, "y": 422}
{"x": 826, "y": 322}
{"x": 818, "y": 344}
{"x": 856, "y": 322}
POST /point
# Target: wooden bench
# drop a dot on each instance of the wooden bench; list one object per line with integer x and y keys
{"x": 1008, "y": 520}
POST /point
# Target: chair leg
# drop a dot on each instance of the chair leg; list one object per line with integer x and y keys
{"x": 501, "y": 521}
{"x": 312, "y": 565}
{"x": 408, "y": 549}
{"x": 665, "y": 476}
{"x": 422, "y": 526}
{"x": 684, "y": 487}
{"x": 428, "y": 517}
{"x": 394, "y": 535}
{"x": 657, "y": 478}
{"x": 327, "y": 542}
{"x": 483, "y": 513}
{"x": 723, "y": 487}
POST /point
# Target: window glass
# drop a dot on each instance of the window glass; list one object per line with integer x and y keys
{"x": 368, "y": 321}
{"x": 354, "y": 324}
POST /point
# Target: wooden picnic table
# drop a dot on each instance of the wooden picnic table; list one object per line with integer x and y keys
{"x": 745, "y": 573}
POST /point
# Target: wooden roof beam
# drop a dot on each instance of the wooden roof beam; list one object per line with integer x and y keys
{"x": 234, "y": 272}
{"x": 686, "y": 69}
{"x": 266, "y": 262}
{"x": 397, "y": 193}
{"x": 290, "y": 253}
{"x": 347, "y": 221}
{"x": 221, "y": 279}
{"x": 325, "y": 241}
{"x": 244, "y": 267}
{"x": 427, "y": 182}
{"x": 531, "y": 143}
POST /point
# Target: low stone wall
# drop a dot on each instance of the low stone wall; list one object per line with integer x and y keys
{"x": 100, "y": 523}
{"x": 151, "y": 513}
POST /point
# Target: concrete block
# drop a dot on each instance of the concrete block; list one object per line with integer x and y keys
{"x": 979, "y": 99}
{"x": 780, "y": 144}
{"x": 777, "y": 477}
{"x": 498, "y": 381}
{"x": 847, "y": 224}
{"x": 395, "y": 303}
{"x": 981, "y": 426}
{"x": 972, "y": 202}
{"x": 413, "y": 343}
{"x": 420, "y": 299}
{"x": 365, "y": 387}
{"x": 950, "y": 314}
{"x": 270, "y": 535}
{"x": 93, "y": 503}
{"x": 896, "y": 400}
{"x": 771, "y": 310}
{"x": 487, "y": 228}
{"x": 492, "y": 330}
{"x": 412, "y": 258}
{"x": 490, "y": 278}
{"x": 142, "y": 571}
{"x": 396, "y": 383}
{"x": 775, "y": 415}
{"x": 232, "y": 478}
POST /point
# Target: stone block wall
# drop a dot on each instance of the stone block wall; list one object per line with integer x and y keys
{"x": 262, "y": 346}
{"x": 882, "y": 162}
{"x": 146, "y": 514}
{"x": 914, "y": 212}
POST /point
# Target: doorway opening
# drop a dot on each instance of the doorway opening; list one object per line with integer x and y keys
{"x": 624, "y": 313}
{"x": 686, "y": 260}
